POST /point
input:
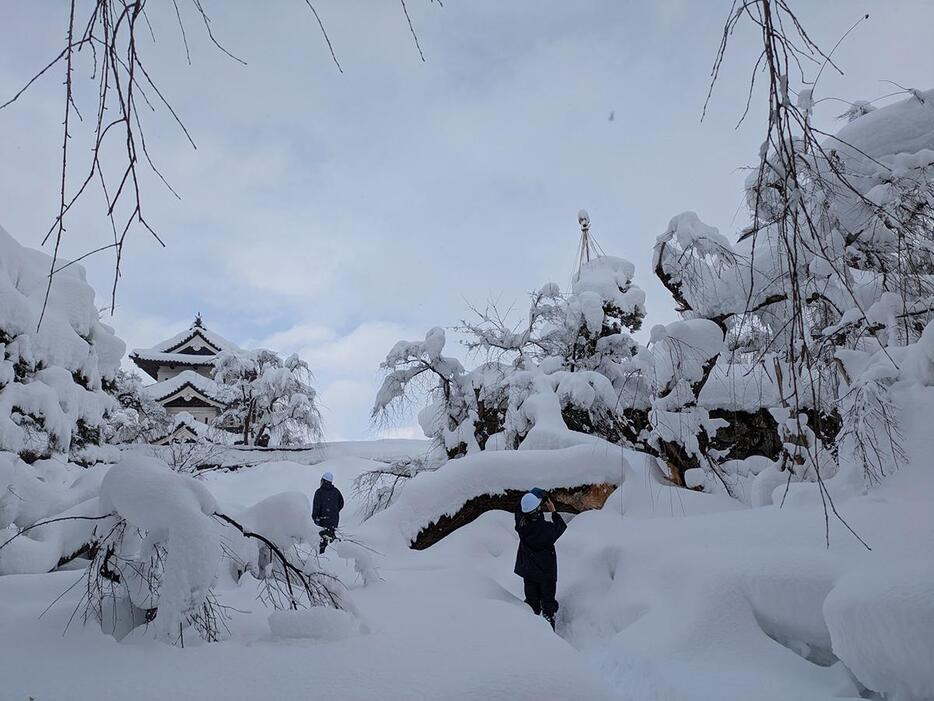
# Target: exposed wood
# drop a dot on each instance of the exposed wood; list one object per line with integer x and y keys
{"x": 572, "y": 500}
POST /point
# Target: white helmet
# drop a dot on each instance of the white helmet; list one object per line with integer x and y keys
{"x": 327, "y": 477}
{"x": 529, "y": 502}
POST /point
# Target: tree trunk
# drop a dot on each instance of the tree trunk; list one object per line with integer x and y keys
{"x": 571, "y": 500}
{"x": 247, "y": 422}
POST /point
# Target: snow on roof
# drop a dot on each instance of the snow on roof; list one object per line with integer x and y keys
{"x": 165, "y": 352}
{"x": 197, "y": 328}
{"x": 166, "y": 388}
{"x": 172, "y": 358}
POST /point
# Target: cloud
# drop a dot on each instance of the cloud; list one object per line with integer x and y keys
{"x": 346, "y": 407}
{"x": 297, "y": 337}
{"x": 346, "y": 369}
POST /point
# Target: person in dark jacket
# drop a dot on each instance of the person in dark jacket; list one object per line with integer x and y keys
{"x": 326, "y": 510}
{"x": 536, "y": 560}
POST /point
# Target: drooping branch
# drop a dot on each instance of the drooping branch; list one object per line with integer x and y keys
{"x": 315, "y": 592}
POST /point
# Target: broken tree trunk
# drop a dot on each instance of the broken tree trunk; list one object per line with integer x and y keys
{"x": 572, "y": 500}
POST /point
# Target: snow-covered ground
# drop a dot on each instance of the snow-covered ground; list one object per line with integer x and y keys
{"x": 433, "y": 626}
{"x": 665, "y": 594}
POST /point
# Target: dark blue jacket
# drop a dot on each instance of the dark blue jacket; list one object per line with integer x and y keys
{"x": 536, "y": 559}
{"x": 327, "y": 505}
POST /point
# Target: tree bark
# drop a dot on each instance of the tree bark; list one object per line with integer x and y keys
{"x": 571, "y": 500}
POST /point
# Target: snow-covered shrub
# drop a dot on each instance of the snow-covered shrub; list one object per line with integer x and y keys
{"x": 164, "y": 549}
{"x": 52, "y": 374}
{"x": 31, "y": 493}
{"x": 201, "y": 453}
{"x": 269, "y": 399}
{"x": 676, "y": 365}
{"x": 837, "y": 258}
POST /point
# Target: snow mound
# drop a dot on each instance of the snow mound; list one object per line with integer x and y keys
{"x": 881, "y": 621}
{"x": 283, "y": 518}
{"x": 736, "y": 609}
{"x": 317, "y": 623}
{"x": 174, "y": 511}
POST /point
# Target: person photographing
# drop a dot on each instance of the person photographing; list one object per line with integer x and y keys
{"x": 536, "y": 559}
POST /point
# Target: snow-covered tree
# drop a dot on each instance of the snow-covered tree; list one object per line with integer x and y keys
{"x": 269, "y": 399}
{"x": 558, "y": 368}
{"x": 567, "y": 354}
{"x": 573, "y": 360}
{"x": 836, "y": 260}
{"x": 138, "y": 418}
{"x": 52, "y": 375}
{"x": 419, "y": 366}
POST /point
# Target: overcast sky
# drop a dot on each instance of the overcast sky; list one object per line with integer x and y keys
{"x": 333, "y": 214}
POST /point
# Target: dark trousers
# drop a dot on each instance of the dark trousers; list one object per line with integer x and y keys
{"x": 540, "y": 596}
{"x": 327, "y": 535}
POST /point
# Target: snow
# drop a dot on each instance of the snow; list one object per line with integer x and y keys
{"x": 881, "y": 622}
{"x": 284, "y": 518}
{"x": 205, "y": 385}
{"x": 173, "y": 358}
{"x": 215, "y": 339}
{"x": 442, "y": 492}
{"x": 60, "y": 366}
{"x": 682, "y": 348}
{"x": 606, "y": 279}
{"x": 31, "y": 493}
{"x": 175, "y": 511}
{"x": 316, "y": 623}
{"x": 429, "y": 626}
{"x": 749, "y": 387}
{"x": 665, "y": 593}
{"x": 873, "y": 141}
